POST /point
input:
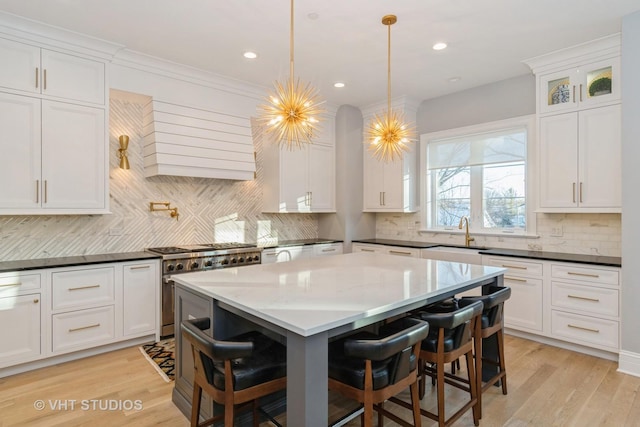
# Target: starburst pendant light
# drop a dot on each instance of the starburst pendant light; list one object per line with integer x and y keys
{"x": 388, "y": 133}
{"x": 292, "y": 110}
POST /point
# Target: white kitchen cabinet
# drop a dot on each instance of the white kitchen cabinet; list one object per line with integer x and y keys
{"x": 324, "y": 249}
{"x": 286, "y": 253}
{"x": 29, "y": 68}
{"x": 54, "y": 156}
{"x": 580, "y": 158}
{"x": 140, "y": 297}
{"x": 524, "y": 309}
{"x": 386, "y": 249}
{"x": 20, "y": 331}
{"x": 301, "y": 180}
{"x": 390, "y": 186}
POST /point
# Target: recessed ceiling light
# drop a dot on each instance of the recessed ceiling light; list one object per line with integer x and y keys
{"x": 338, "y": 84}
{"x": 250, "y": 55}
{"x": 313, "y": 16}
{"x": 439, "y": 46}
{"x": 455, "y": 79}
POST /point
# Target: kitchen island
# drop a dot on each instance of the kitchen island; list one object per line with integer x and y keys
{"x": 309, "y": 301}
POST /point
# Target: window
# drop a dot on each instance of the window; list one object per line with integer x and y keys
{"x": 479, "y": 172}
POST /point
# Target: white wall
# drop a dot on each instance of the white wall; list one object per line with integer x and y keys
{"x": 630, "y": 180}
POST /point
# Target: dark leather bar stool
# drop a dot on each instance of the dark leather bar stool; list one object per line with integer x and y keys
{"x": 492, "y": 324}
{"x": 450, "y": 337}
{"x": 233, "y": 372}
{"x": 371, "y": 368}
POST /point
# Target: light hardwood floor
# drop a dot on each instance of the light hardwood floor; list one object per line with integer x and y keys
{"x": 547, "y": 387}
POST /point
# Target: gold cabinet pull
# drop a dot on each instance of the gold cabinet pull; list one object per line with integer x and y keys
{"x": 45, "y": 191}
{"x": 571, "y": 273}
{"x": 37, "y": 72}
{"x": 11, "y": 284}
{"x": 580, "y": 92}
{"x": 580, "y": 193}
{"x": 384, "y": 198}
{"x": 380, "y": 197}
{"x": 517, "y": 267}
{"x": 574, "y": 192}
{"x": 84, "y": 287}
{"x": 583, "y": 298}
{"x": 329, "y": 250}
{"x": 37, "y": 191}
{"x": 140, "y": 267}
{"x": 597, "y": 331}
{"x": 515, "y": 279}
{"x": 96, "y": 325}
{"x": 574, "y": 93}
{"x": 399, "y": 252}
{"x": 44, "y": 79}
{"x": 35, "y": 301}
{"x": 366, "y": 250}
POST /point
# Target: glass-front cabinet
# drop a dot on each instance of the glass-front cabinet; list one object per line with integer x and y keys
{"x": 580, "y": 87}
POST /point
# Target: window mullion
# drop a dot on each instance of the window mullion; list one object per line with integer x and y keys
{"x": 477, "y": 222}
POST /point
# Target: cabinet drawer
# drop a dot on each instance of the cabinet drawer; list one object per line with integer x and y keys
{"x": 15, "y": 283}
{"x": 585, "y": 330}
{"x": 327, "y": 249}
{"x": 360, "y": 247}
{"x": 401, "y": 251}
{"x": 80, "y": 329}
{"x": 588, "y": 299}
{"x": 516, "y": 267}
{"x": 82, "y": 287}
{"x": 585, "y": 274}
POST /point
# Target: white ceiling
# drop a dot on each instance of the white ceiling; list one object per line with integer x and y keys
{"x": 346, "y": 42}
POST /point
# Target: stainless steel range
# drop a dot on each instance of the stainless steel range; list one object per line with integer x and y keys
{"x": 189, "y": 258}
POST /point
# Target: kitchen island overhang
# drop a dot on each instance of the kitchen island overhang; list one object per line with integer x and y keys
{"x": 309, "y": 301}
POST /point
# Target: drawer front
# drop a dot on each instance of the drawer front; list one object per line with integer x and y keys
{"x": 14, "y": 283}
{"x": 79, "y": 288}
{"x": 587, "y": 299}
{"x": 524, "y": 309}
{"x": 360, "y": 247}
{"x": 83, "y": 328}
{"x": 327, "y": 249}
{"x": 400, "y": 251}
{"x": 585, "y": 274}
{"x": 517, "y": 267}
{"x": 585, "y": 330}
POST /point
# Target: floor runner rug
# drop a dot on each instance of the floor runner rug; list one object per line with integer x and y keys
{"x": 161, "y": 356}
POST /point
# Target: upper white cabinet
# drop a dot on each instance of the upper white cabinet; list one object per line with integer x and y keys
{"x": 581, "y": 154}
{"x": 579, "y": 119}
{"x": 41, "y": 71}
{"x": 53, "y": 114}
{"x": 301, "y": 180}
{"x": 390, "y": 186}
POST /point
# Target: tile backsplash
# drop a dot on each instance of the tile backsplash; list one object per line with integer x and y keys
{"x": 590, "y": 234}
{"x": 211, "y": 210}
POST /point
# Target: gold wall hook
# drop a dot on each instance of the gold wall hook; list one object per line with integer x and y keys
{"x": 166, "y": 206}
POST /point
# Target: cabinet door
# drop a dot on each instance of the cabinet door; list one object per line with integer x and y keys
{"x": 20, "y": 331}
{"x": 140, "y": 301}
{"x": 523, "y": 310}
{"x": 73, "y": 156}
{"x": 71, "y": 77}
{"x": 20, "y": 147}
{"x": 600, "y": 83}
{"x": 393, "y": 189}
{"x": 20, "y": 68}
{"x": 293, "y": 181}
{"x": 600, "y": 158}
{"x": 558, "y": 91}
{"x": 559, "y": 161}
{"x": 373, "y": 184}
{"x": 321, "y": 178}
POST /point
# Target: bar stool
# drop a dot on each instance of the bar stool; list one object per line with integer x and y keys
{"x": 234, "y": 372}
{"x": 371, "y": 368}
{"x": 450, "y": 338}
{"x": 492, "y": 324}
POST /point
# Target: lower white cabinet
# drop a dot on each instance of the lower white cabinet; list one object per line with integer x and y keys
{"x": 386, "y": 249}
{"x": 290, "y": 253}
{"x": 325, "y": 249}
{"x": 140, "y": 297}
{"x": 20, "y": 329}
{"x": 79, "y": 329}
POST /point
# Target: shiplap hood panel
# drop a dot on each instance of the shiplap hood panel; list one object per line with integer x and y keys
{"x": 187, "y": 141}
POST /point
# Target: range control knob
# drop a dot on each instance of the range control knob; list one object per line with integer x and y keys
{"x": 171, "y": 267}
{"x": 225, "y": 261}
{"x": 256, "y": 258}
{"x": 194, "y": 265}
{"x": 179, "y": 267}
{"x": 234, "y": 261}
{"x": 208, "y": 263}
{"x": 241, "y": 259}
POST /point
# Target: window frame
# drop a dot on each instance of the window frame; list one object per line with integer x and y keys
{"x": 531, "y": 196}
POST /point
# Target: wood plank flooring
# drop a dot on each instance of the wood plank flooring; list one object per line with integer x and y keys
{"x": 548, "y": 386}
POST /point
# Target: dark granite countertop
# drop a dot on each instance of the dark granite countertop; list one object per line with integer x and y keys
{"x": 516, "y": 253}
{"x": 403, "y": 243}
{"x": 70, "y": 261}
{"x": 299, "y": 242}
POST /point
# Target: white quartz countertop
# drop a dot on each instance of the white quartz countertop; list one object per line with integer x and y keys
{"x": 313, "y": 295}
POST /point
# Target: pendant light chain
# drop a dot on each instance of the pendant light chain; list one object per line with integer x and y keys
{"x": 389, "y": 70}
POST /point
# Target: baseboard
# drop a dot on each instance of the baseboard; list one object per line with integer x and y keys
{"x": 629, "y": 363}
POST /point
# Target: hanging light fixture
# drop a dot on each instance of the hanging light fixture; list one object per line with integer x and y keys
{"x": 292, "y": 110}
{"x": 388, "y": 133}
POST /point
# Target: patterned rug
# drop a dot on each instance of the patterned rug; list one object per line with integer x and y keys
{"x": 160, "y": 355}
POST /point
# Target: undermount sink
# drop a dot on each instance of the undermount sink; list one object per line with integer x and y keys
{"x": 470, "y": 255}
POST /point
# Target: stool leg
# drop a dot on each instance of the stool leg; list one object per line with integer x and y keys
{"x": 380, "y": 416}
{"x": 195, "y": 404}
{"x": 421, "y": 375}
{"x": 415, "y": 401}
{"x": 503, "y": 369}
{"x": 473, "y": 387}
